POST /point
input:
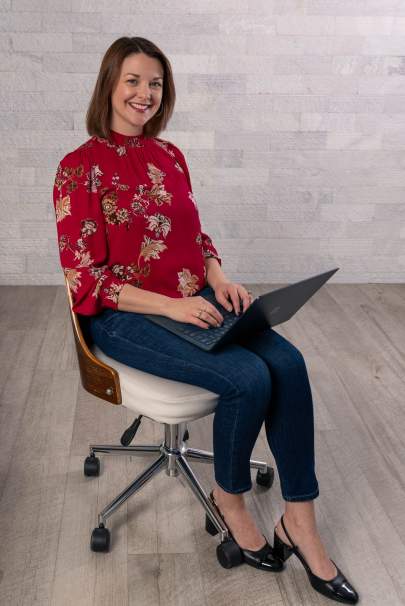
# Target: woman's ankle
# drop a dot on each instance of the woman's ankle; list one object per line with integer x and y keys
{"x": 300, "y": 516}
{"x": 239, "y": 520}
{"x": 230, "y": 501}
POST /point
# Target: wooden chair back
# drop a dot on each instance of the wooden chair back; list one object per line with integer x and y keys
{"x": 97, "y": 378}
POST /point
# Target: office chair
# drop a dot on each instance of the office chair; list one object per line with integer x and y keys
{"x": 171, "y": 403}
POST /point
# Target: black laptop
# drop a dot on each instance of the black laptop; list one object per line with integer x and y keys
{"x": 266, "y": 310}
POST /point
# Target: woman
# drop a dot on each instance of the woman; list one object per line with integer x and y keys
{"x": 131, "y": 243}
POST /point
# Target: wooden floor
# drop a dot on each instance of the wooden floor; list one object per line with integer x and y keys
{"x": 353, "y": 340}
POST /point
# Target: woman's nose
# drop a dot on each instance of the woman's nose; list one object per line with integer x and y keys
{"x": 144, "y": 91}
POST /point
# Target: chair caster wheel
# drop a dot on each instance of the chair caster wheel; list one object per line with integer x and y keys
{"x": 265, "y": 478}
{"x": 100, "y": 539}
{"x": 229, "y": 554}
{"x": 92, "y": 466}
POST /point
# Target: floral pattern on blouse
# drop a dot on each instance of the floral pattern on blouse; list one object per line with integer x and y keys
{"x": 188, "y": 283}
{"x": 126, "y": 214}
{"x": 165, "y": 145}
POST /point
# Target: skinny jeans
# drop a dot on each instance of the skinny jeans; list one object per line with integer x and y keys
{"x": 262, "y": 379}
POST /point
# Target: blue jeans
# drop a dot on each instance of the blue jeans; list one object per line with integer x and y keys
{"x": 263, "y": 379}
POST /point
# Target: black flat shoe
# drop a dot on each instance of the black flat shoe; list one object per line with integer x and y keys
{"x": 263, "y": 558}
{"x": 338, "y": 588}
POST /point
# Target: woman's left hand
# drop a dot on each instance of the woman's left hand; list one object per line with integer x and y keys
{"x": 236, "y": 293}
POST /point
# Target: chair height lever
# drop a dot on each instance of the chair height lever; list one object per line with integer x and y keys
{"x": 129, "y": 433}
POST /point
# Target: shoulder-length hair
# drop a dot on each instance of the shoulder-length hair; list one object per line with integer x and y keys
{"x": 98, "y": 117}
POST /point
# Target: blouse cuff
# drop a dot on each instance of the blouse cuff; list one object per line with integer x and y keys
{"x": 209, "y": 249}
{"x": 109, "y": 293}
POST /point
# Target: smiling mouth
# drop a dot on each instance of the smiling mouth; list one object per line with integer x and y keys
{"x": 142, "y": 107}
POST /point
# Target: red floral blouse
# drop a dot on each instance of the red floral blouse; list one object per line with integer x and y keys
{"x": 126, "y": 214}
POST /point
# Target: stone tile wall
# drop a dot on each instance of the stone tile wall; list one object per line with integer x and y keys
{"x": 291, "y": 114}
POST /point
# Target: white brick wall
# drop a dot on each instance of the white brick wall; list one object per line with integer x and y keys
{"x": 291, "y": 114}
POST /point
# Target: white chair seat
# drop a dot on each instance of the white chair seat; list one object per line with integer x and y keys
{"x": 162, "y": 400}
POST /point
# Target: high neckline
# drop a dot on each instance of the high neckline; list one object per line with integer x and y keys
{"x": 121, "y": 139}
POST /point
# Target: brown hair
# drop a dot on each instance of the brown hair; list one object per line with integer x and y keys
{"x": 98, "y": 115}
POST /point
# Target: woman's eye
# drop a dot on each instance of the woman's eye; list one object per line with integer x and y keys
{"x": 133, "y": 80}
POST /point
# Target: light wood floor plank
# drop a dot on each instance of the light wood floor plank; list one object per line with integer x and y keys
{"x": 143, "y": 579}
{"x": 58, "y": 350}
{"x": 18, "y": 356}
{"x": 25, "y": 307}
{"x": 75, "y": 569}
{"x": 32, "y": 501}
{"x": 366, "y": 525}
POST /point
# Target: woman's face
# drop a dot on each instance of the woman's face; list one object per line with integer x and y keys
{"x": 136, "y": 96}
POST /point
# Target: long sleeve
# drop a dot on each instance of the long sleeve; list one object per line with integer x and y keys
{"x": 82, "y": 238}
{"x": 208, "y": 247}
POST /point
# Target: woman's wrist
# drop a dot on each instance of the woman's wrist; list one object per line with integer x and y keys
{"x": 214, "y": 275}
{"x": 139, "y": 300}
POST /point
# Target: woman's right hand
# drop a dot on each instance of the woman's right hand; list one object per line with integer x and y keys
{"x": 194, "y": 310}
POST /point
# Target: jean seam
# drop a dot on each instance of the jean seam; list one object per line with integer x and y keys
{"x": 233, "y": 441}
{"x": 197, "y": 366}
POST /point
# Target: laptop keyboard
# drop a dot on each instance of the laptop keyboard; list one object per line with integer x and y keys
{"x": 210, "y": 335}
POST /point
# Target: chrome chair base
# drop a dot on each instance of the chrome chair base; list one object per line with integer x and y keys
{"x": 173, "y": 455}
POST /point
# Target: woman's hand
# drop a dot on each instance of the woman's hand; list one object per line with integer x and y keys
{"x": 236, "y": 293}
{"x": 194, "y": 310}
